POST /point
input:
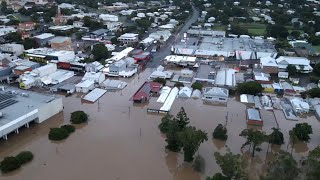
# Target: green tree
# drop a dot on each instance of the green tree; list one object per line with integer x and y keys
{"x": 316, "y": 69}
{"x": 283, "y": 167}
{"x": 24, "y": 157}
{"x": 13, "y": 37}
{"x": 220, "y": 132}
{"x": 254, "y": 138}
{"x": 252, "y": 88}
{"x": 9, "y": 164}
{"x": 30, "y": 43}
{"x": 292, "y": 70}
{"x": 165, "y": 123}
{"x": 276, "y": 137}
{"x": 197, "y": 85}
{"x": 173, "y": 140}
{"x": 69, "y": 128}
{"x": 218, "y": 176}
{"x": 78, "y": 117}
{"x": 311, "y": 165}
{"x": 182, "y": 119}
{"x": 293, "y": 139}
{"x": 57, "y": 134}
{"x": 114, "y": 40}
{"x": 100, "y": 52}
{"x": 232, "y": 165}
{"x": 191, "y": 138}
{"x": 160, "y": 80}
{"x": 315, "y": 92}
{"x": 302, "y": 131}
{"x": 277, "y": 31}
{"x": 178, "y": 84}
{"x": 295, "y": 34}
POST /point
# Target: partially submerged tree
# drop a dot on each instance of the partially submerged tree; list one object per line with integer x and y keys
{"x": 182, "y": 119}
{"x": 178, "y": 84}
{"x": 24, "y": 157}
{"x": 283, "y": 167}
{"x": 302, "y": 131}
{"x": 191, "y": 138}
{"x": 232, "y": 166}
{"x": 197, "y": 85}
{"x": 160, "y": 80}
{"x": 311, "y": 165}
{"x": 254, "y": 138}
{"x": 9, "y": 164}
{"x": 276, "y": 137}
{"x": 165, "y": 123}
{"x": 218, "y": 176}
{"x": 78, "y": 117}
{"x": 57, "y": 134}
{"x": 198, "y": 163}
{"x": 220, "y": 132}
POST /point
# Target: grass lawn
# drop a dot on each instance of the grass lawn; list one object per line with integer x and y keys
{"x": 256, "y": 32}
{"x": 219, "y": 28}
{"x": 317, "y": 48}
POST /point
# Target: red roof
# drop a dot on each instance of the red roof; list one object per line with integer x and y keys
{"x": 146, "y": 89}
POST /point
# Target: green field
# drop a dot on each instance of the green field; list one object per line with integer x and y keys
{"x": 256, "y": 32}
{"x": 317, "y": 48}
{"x": 254, "y": 28}
{"x": 219, "y": 28}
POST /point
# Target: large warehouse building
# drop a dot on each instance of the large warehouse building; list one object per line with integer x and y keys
{"x": 243, "y": 48}
{"x": 18, "y": 108}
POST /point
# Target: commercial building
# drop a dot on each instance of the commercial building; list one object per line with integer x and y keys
{"x": 226, "y": 78}
{"x": 44, "y": 55}
{"x": 18, "y": 108}
{"x": 237, "y": 48}
{"x": 180, "y": 60}
{"x": 128, "y": 38}
{"x": 44, "y": 38}
{"x": 146, "y": 91}
{"x": 109, "y": 17}
{"x": 15, "y": 49}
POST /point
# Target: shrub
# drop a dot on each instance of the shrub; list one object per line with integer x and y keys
{"x": 24, "y": 157}
{"x": 197, "y": 85}
{"x": 178, "y": 84}
{"x": 69, "y": 128}
{"x": 160, "y": 80}
{"x": 220, "y": 132}
{"x": 9, "y": 164}
{"x": 57, "y": 134}
{"x": 314, "y": 92}
{"x": 79, "y": 117}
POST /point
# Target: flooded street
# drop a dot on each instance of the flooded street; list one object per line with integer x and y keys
{"x": 121, "y": 141}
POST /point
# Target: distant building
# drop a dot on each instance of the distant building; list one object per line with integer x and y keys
{"x": 302, "y": 64}
{"x": 146, "y": 91}
{"x": 44, "y": 38}
{"x": 269, "y": 65}
{"x": 4, "y": 30}
{"x": 44, "y": 55}
{"x": 61, "y": 43}
{"x": 128, "y": 38}
{"x": 15, "y": 49}
{"x": 27, "y": 26}
{"x": 215, "y": 94}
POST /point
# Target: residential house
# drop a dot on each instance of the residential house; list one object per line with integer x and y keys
{"x": 185, "y": 92}
{"x": 15, "y": 49}
{"x": 302, "y": 64}
{"x": 27, "y": 26}
{"x": 128, "y": 38}
{"x": 269, "y": 65}
{"x": 96, "y": 77}
{"x": 215, "y": 94}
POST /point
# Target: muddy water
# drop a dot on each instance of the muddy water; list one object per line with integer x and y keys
{"x": 122, "y": 141}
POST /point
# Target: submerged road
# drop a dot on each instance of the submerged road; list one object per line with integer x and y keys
{"x": 165, "y": 50}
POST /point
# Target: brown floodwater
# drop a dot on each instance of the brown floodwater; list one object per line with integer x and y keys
{"x": 121, "y": 141}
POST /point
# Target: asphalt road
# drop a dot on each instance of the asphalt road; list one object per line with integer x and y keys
{"x": 165, "y": 50}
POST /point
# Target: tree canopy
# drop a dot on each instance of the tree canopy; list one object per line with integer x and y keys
{"x": 78, "y": 117}
{"x": 292, "y": 70}
{"x": 302, "y": 131}
{"x": 220, "y": 132}
{"x": 282, "y": 167}
{"x": 276, "y": 137}
{"x": 252, "y": 88}
{"x": 254, "y": 138}
{"x": 312, "y": 164}
{"x": 100, "y": 52}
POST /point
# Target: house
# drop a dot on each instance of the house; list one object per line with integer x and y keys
{"x": 61, "y": 43}
{"x": 185, "y": 92}
{"x": 215, "y": 94}
{"x": 85, "y": 86}
{"x": 109, "y": 17}
{"x": 43, "y": 39}
{"x": 77, "y": 24}
{"x": 146, "y": 91}
{"x": 99, "y": 34}
{"x": 283, "y": 75}
{"x": 269, "y": 65}
{"x": 117, "y": 67}
{"x": 254, "y": 117}
{"x": 113, "y": 85}
{"x": 97, "y": 78}
{"x": 299, "y": 105}
{"x": 196, "y": 94}
{"x": 302, "y": 64}
{"x": 287, "y": 88}
{"x": 128, "y": 38}
{"x": 186, "y": 73}
{"x": 262, "y": 77}
{"x": 226, "y": 78}
{"x": 4, "y": 30}
{"x": 26, "y": 26}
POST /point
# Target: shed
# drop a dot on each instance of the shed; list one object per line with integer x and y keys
{"x": 185, "y": 92}
{"x": 85, "y": 86}
{"x": 254, "y": 117}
